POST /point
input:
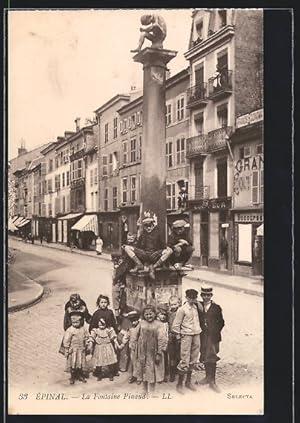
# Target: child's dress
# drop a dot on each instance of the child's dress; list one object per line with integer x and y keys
{"x": 75, "y": 342}
{"x": 133, "y": 331}
{"x": 148, "y": 340}
{"x": 104, "y": 353}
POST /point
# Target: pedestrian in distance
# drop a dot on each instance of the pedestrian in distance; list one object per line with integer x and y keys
{"x": 186, "y": 327}
{"x": 75, "y": 343}
{"x": 101, "y": 343}
{"x": 99, "y": 246}
{"x": 41, "y": 238}
{"x": 149, "y": 342}
{"x": 212, "y": 323}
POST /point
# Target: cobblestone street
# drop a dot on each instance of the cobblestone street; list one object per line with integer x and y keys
{"x": 34, "y": 335}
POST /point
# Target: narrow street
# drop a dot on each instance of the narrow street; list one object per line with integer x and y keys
{"x": 34, "y": 336}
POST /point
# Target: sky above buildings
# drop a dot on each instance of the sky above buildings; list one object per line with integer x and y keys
{"x": 66, "y": 64}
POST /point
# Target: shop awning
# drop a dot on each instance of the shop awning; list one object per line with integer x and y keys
{"x": 11, "y": 226}
{"x": 18, "y": 221}
{"x": 70, "y": 216}
{"x": 25, "y": 222}
{"x": 88, "y": 222}
{"x": 260, "y": 230}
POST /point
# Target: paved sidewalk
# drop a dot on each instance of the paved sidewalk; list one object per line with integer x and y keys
{"x": 253, "y": 286}
{"x": 22, "y": 291}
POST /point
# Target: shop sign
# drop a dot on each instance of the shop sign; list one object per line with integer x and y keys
{"x": 250, "y": 118}
{"x": 212, "y": 204}
{"x": 248, "y": 217}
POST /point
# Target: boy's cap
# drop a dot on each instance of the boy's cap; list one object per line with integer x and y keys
{"x": 191, "y": 293}
{"x": 179, "y": 223}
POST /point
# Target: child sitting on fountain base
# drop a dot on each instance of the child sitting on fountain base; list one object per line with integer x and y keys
{"x": 150, "y": 249}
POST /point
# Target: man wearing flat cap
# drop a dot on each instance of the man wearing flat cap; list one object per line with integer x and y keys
{"x": 212, "y": 323}
{"x": 186, "y": 327}
{"x": 181, "y": 245}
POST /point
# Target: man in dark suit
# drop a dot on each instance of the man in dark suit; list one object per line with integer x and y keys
{"x": 211, "y": 323}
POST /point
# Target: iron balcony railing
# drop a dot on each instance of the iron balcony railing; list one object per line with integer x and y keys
{"x": 220, "y": 83}
{"x": 208, "y": 143}
{"x": 197, "y": 94}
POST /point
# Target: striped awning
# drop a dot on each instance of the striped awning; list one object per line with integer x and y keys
{"x": 88, "y": 222}
{"x": 11, "y": 226}
{"x": 70, "y": 216}
{"x": 18, "y": 221}
{"x": 25, "y": 222}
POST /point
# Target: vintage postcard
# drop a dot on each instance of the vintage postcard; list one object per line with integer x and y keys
{"x": 135, "y": 211}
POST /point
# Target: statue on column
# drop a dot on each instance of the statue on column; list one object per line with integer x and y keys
{"x": 155, "y": 30}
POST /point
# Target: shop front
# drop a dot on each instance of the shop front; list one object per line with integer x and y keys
{"x": 109, "y": 229}
{"x": 64, "y": 225}
{"x": 211, "y": 232}
{"x": 85, "y": 231}
{"x": 248, "y": 243}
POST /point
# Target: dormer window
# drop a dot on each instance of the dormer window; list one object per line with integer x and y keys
{"x": 199, "y": 31}
{"x": 223, "y": 18}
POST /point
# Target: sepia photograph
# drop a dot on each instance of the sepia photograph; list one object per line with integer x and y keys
{"x": 135, "y": 211}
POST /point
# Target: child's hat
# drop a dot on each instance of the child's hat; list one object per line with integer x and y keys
{"x": 133, "y": 315}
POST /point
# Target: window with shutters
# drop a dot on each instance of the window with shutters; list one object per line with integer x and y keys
{"x": 169, "y": 154}
{"x": 115, "y": 198}
{"x": 222, "y": 178}
{"x": 50, "y": 209}
{"x": 171, "y": 196}
{"x": 104, "y": 165}
{"x": 106, "y": 133}
{"x": 115, "y": 127}
{"x": 180, "y": 108}
{"x": 222, "y": 115}
{"x": 57, "y": 182}
{"x": 255, "y": 187}
{"x": 133, "y": 189}
{"x": 80, "y": 168}
{"x": 106, "y": 199}
{"x": 63, "y": 180}
{"x": 261, "y": 186}
{"x": 124, "y": 190}
{"x": 68, "y": 178}
{"x": 50, "y": 185}
{"x": 133, "y": 150}
{"x": 50, "y": 165}
{"x": 168, "y": 114}
{"x": 180, "y": 151}
{"x": 125, "y": 152}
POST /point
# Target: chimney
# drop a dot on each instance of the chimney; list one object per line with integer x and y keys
{"x": 77, "y": 123}
{"x": 21, "y": 151}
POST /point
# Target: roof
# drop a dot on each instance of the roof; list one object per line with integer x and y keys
{"x": 48, "y": 148}
{"x": 126, "y": 107}
{"x": 35, "y": 162}
{"x": 112, "y": 101}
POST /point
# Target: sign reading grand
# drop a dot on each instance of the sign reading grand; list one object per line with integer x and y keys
{"x": 249, "y": 118}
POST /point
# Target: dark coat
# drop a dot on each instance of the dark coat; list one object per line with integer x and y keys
{"x": 211, "y": 322}
{"x": 106, "y": 314}
{"x": 150, "y": 242}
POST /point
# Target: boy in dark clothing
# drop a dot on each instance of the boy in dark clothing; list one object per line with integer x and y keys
{"x": 150, "y": 248}
{"x": 211, "y": 323}
{"x": 181, "y": 245}
{"x": 173, "y": 342}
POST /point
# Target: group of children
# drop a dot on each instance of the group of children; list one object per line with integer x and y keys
{"x": 152, "y": 346}
{"x": 141, "y": 344}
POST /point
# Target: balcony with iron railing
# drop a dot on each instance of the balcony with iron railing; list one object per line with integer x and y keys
{"x": 197, "y": 95}
{"x": 208, "y": 143}
{"x": 220, "y": 85}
